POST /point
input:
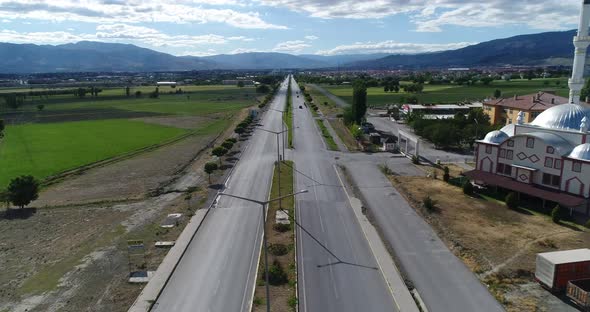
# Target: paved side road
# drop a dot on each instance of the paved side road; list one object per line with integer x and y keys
{"x": 442, "y": 280}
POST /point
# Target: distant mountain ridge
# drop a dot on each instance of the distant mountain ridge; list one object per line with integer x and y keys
{"x": 547, "y": 48}
{"x": 536, "y": 49}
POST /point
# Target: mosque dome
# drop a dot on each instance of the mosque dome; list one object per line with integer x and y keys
{"x": 564, "y": 117}
{"x": 581, "y": 152}
{"x": 495, "y": 137}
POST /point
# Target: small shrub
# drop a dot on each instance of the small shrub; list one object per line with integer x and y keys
{"x": 385, "y": 169}
{"x": 292, "y": 302}
{"x": 415, "y": 160}
{"x": 446, "y": 175}
{"x": 257, "y": 301}
{"x": 511, "y": 201}
{"x": 277, "y": 275}
{"x": 233, "y": 140}
{"x": 467, "y": 188}
{"x": 227, "y": 145}
{"x": 279, "y": 227}
{"x": 278, "y": 249}
{"x": 556, "y": 214}
{"x": 429, "y": 203}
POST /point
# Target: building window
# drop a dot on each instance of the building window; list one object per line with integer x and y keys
{"x": 511, "y": 143}
{"x": 502, "y": 153}
{"x": 488, "y": 149}
{"x": 548, "y": 162}
{"x": 530, "y": 142}
{"x": 576, "y": 166}
{"x": 509, "y": 154}
{"x": 557, "y": 164}
{"x": 550, "y": 150}
{"x": 504, "y": 169}
{"x": 551, "y": 179}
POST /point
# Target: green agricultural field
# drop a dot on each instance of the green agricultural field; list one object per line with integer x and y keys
{"x": 456, "y": 93}
{"x": 46, "y": 149}
{"x": 201, "y": 100}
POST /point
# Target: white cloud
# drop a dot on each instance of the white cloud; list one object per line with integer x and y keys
{"x": 244, "y": 50}
{"x": 431, "y": 15}
{"x": 132, "y": 11}
{"x": 392, "y": 47}
{"x": 293, "y": 46}
{"x": 312, "y": 37}
{"x": 140, "y": 35}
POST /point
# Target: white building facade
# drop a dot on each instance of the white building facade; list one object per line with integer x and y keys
{"x": 548, "y": 158}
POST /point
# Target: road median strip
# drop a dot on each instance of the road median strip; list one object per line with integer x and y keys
{"x": 281, "y": 246}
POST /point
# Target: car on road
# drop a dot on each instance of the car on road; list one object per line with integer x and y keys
{"x": 301, "y": 107}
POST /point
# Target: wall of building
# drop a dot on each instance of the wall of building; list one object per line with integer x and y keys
{"x": 577, "y": 183}
{"x": 487, "y": 157}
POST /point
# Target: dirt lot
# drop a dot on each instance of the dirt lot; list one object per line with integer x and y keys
{"x": 498, "y": 244}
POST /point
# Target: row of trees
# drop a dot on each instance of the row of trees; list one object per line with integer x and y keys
{"x": 459, "y": 131}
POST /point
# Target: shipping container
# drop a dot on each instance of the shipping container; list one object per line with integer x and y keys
{"x": 555, "y": 269}
{"x": 577, "y": 291}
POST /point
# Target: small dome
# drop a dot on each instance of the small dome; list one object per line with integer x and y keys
{"x": 564, "y": 116}
{"x": 508, "y": 129}
{"x": 495, "y": 137}
{"x": 581, "y": 152}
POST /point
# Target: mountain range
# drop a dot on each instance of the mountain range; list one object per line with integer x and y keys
{"x": 549, "y": 48}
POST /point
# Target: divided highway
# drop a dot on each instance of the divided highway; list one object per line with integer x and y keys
{"x": 218, "y": 270}
{"x": 352, "y": 281}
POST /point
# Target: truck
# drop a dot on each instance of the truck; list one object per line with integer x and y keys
{"x": 555, "y": 269}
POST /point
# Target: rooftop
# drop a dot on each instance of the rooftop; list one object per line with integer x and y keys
{"x": 531, "y": 102}
{"x": 567, "y": 256}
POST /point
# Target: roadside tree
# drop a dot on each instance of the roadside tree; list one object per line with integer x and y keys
{"x": 359, "y": 101}
{"x": 40, "y": 107}
{"x": 240, "y": 84}
{"x": 23, "y": 190}
{"x": 227, "y": 145}
{"x": 210, "y": 167}
{"x": 219, "y": 151}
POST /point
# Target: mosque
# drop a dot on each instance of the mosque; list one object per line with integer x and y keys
{"x": 548, "y": 158}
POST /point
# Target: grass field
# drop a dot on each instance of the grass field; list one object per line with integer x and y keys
{"x": 46, "y": 149}
{"x": 201, "y": 100}
{"x": 455, "y": 93}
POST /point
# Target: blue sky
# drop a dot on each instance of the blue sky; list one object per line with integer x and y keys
{"x": 327, "y": 27}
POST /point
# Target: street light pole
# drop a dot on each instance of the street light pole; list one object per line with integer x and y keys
{"x": 264, "y": 205}
{"x": 278, "y": 156}
{"x": 283, "y": 127}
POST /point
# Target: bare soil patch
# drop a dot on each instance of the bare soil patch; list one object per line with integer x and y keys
{"x": 496, "y": 243}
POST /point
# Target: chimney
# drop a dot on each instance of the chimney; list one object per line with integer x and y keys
{"x": 552, "y": 100}
{"x": 516, "y": 97}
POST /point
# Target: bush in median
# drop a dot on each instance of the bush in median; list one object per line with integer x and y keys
{"x": 277, "y": 275}
{"x": 278, "y": 249}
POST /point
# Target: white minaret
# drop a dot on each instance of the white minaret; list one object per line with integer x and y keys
{"x": 581, "y": 42}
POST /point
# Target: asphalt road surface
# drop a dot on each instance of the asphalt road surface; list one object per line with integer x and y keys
{"x": 218, "y": 270}
{"x": 345, "y": 275}
{"x": 427, "y": 149}
{"x": 442, "y": 280}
